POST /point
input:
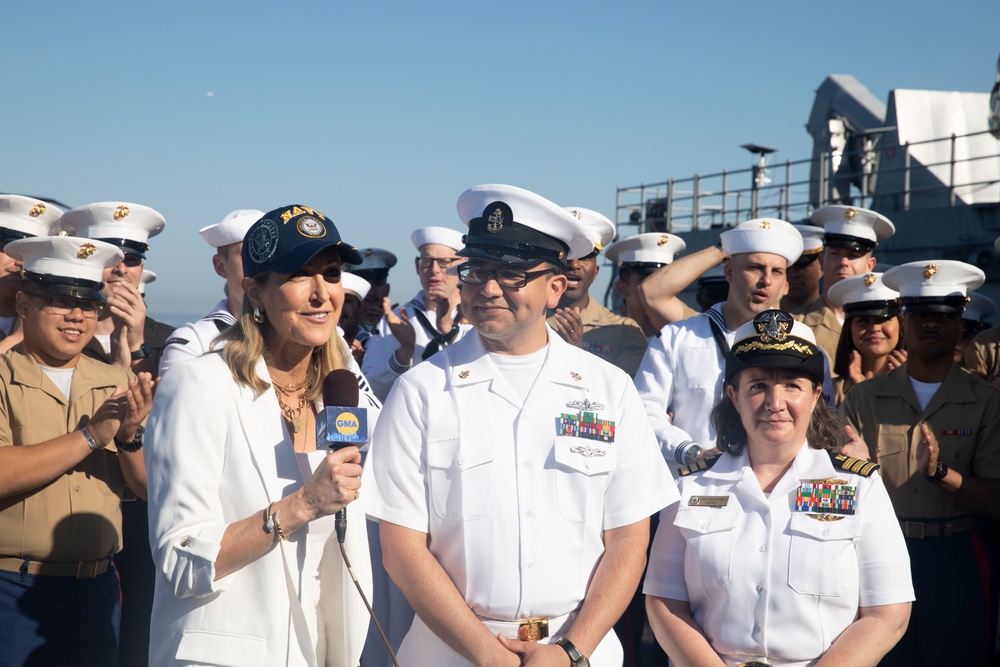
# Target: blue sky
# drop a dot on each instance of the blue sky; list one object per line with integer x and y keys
{"x": 380, "y": 114}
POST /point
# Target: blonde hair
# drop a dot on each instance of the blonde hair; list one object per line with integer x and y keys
{"x": 246, "y": 342}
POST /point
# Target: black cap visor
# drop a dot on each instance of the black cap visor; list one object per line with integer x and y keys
{"x": 74, "y": 288}
{"x": 941, "y": 305}
{"x": 849, "y": 242}
{"x": 886, "y": 309}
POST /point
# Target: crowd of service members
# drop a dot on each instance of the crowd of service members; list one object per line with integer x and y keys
{"x": 819, "y": 446}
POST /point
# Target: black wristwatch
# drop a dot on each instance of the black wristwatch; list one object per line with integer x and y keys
{"x": 939, "y": 472}
{"x": 144, "y": 351}
{"x": 576, "y": 659}
{"x": 136, "y": 443}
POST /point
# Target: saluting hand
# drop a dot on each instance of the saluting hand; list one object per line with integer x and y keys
{"x": 569, "y": 325}
{"x": 927, "y": 450}
{"x": 402, "y": 331}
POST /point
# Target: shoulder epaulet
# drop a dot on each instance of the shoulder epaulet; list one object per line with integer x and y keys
{"x": 700, "y": 464}
{"x": 857, "y": 466}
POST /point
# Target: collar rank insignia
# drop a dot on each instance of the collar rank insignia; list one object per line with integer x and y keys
{"x": 826, "y": 499}
{"x": 585, "y": 404}
{"x": 576, "y": 376}
{"x": 588, "y": 451}
{"x": 585, "y": 424}
{"x": 463, "y": 374}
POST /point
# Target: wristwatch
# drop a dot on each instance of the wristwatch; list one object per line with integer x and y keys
{"x": 136, "y": 443}
{"x": 576, "y": 659}
{"x": 144, "y": 351}
{"x": 939, "y": 472}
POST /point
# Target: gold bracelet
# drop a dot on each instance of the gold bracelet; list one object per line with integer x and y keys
{"x": 277, "y": 526}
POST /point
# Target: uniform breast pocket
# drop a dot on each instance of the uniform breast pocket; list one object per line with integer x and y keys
{"x": 957, "y": 450}
{"x": 710, "y": 534}
{"x": 822, "y": 559}
{"x": 462, "y": 478}
{"x": 697, "y": 368}
{"x": 582, "y": 470}
{"x": 892, "y": 453}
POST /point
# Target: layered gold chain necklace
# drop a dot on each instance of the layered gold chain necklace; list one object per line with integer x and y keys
{"x": 293, "y": 415}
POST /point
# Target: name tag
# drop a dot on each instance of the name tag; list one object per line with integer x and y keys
{"x": 708, "y": 501}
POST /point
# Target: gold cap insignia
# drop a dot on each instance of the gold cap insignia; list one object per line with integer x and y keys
{"x": 369, "y": 252}
{"x": 772, "y": 326}
{"x": 463, "y": 374}
{"x": 86, "y": 250}
{"x": 850, "y": 213}
{"x": 36, "y": 210}
{"x": 578, "y": 214}
{"x": 663, "y": 240}
{"x": 929, "y": 271}
{"x": 121, "y": 212}
{"x": 495, "y": 222}
{"x": 765, "y": 224}
{"x": 576, "y": 376}
{"x": 869, "y": 279}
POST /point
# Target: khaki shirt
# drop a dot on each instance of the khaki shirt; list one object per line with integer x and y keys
{"x": 76, "y": 517}
{"x": 982, "y": 357}
{"x": 826, "y": 327}
{"x": 616, "y": 339}
{"x": 964, "y": 415}
{"x": 154, "y": 333}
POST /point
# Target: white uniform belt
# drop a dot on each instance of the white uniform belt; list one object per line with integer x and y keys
{"x": 558, "y": 625}
{"x": 773, "y": 662}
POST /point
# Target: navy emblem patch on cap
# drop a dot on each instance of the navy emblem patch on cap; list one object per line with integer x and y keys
{"x": 494, "y": 224}
{"x": 310, "y": 227}
{"x": 263, "y": 241}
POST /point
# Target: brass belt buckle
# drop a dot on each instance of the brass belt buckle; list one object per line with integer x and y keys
{"x": 533, "y": 629}
{"x": 87, "y": 570}
{"x": 755, "y": 663}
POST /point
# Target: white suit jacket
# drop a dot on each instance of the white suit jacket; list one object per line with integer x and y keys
{"x": 216, "y": 454}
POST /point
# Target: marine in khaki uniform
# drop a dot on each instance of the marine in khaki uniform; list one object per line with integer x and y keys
{"x": 805, "y": 274}
{"x": 850, "y": 235}
{"x": 982, "y": 356}
{"x": 581, "y": 320}
{"x": 935, "y": 431}
{"x": 61, "y": 480}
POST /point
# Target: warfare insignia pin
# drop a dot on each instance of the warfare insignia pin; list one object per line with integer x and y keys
{"x": 588, "y": 451}
{"x": 585, "y": 404}
{"x": 765, "y": 224}
{"x": 850, "y": 213}
{"x": 463, "y": 374}
{"x": 869, "y": 279}
{"x": 772, "y": 325}
{"x": 86, "y": 250}
{"x": 495, "y": 222}
{"x": 929, "y": 271}
{"x": 121, "y": 212}
{"x": 36, "y": 210}
{"x": 663, "y": 240}
{"x": 576, "y": 376}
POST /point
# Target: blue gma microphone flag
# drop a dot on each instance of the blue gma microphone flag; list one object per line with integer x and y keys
{"x": 338, "y": 426}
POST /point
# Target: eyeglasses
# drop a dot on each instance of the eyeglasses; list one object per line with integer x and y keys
{"x": 132, "y": 260}
{"x": 443, "y": 262}
{"x": 510, "y": 278}
{"x": 64, "y": 305}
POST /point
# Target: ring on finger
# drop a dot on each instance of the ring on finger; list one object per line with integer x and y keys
{"x": 357, "y": 494}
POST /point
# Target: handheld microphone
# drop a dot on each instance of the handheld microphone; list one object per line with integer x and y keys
{"x": 342, "y": 423}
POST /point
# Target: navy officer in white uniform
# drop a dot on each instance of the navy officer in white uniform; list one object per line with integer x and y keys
{"x": 514, "y": 474}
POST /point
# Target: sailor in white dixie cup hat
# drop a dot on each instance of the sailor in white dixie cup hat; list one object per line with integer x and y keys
{"x": 582, "y": 320}
{"x": 128, "y": 226}
{"x": 77, "y": 436}
{"x": 426, "y": 323}
{"x": 533, "y": 449}
{"x": 982, "y": 356}
{"x": 934, "y": 430}
{"x": 20, "y": 218}
{"x": 355, "y": 290}
{"x": 195, "y": 338}
{"x": 805, "y": 274}
{"x": 681, "y": 373}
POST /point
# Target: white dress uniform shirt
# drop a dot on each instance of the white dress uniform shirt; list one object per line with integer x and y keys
{"x": 195, "y": 338}
{"x": 514, "y": 511}
{"x": 380, "y": 365}
{"x": 766, "y": 582}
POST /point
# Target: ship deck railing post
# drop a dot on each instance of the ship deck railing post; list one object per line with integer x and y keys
{"x": 788, "y": 190}
{"x": 906, "y": 176}
{"x": 725, "y": 195}
{"x": 696, "y": 203}
{"x": 670, "y": 206}
{"x": 951, "y": 173}
{"x": 822, "y": 180}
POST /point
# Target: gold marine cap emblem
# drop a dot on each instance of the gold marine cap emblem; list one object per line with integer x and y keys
{"x": 772, "y": 325}
{"x": 663, "y": 240}
{"x": 850, "y": 213}
{"x": 121, "y": 212}
{"x": 463, "y": 374}
{"x": 86, "y": 250}
{"x": 929, "y": 271}
{"x": 870, "y": 279}
{"x": 36, "y": 210}
{"x": 495, "y": 222}
{"x": 765, "y": 224}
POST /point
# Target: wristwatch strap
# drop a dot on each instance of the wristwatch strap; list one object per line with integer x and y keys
{"x": 576, "y": 659}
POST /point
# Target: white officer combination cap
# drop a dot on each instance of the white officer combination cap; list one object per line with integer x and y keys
{"x": 937, "y": 285}
{"x": 812, "y": 238}
{"x": 979, "y": 308}
{"x": 129, "y": 226}
{"x": 147, "y": 277}
{"x": 355, "y": 285}
{"x": 768, "y": 235}
{"x": 21, "y": 217}
{"x": 65, "y": 265}
{"x": 602, "y": 230}
{"x": 451, "y": 238}
{"x": 852, "y": 227}
{"x": 232, "y": 228}
{"x": 865, "y": 295}
{"x": 515, "y": 226}
{"x": 645, "y": 250}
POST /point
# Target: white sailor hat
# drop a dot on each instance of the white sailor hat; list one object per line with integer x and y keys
{"x": 147, "y": 277}
{"x": 934, "y": 286}
{"x": 514, "y": 226}
{"x": 451, "y": 238}
{"x": 852, "y": 227}
{"x": 979, "y": 308}
{"x": 763, "y": 235}
{"x": 602, "y": 230}
{"x": 355, "y": 285}
{"x": 21, "y": 217}
{"x": 812, "y": 239}
{"x": 865, "y": 295}
{"x": 773, "y": 339}
{"x": 232, "y": 228}
{"x": 128, "y": 226}
{"x": 375, "y": 263}
{"x": 645, "y": 252}
{"x": 65, "y": 265}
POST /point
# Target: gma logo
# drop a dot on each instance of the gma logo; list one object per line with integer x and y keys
{"x": 347, "y": 423}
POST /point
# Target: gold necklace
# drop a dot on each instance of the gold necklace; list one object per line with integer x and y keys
{"x": 292, "y": 415}
{"x": 291, "y": 389}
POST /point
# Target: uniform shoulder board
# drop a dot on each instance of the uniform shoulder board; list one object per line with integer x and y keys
{"x": 700, "y": 464}
{"x": 176, "y": 340}
{"x": 856, "y": 466}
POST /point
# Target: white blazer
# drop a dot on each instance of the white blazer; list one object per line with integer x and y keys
{"x": 216, "y": 454}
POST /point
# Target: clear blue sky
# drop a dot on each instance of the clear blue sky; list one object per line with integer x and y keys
{"x": 381, "y": 114}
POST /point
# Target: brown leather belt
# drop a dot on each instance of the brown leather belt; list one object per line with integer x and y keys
{"x": 942, "y": 528}
{"x": 85, "y": 570}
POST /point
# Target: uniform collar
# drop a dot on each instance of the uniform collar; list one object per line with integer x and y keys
{"x": 809, "y": 463}
{"x": 88, "y": 374}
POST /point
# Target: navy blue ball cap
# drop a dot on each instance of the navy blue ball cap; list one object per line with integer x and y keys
{"x": 287, "y": 238}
